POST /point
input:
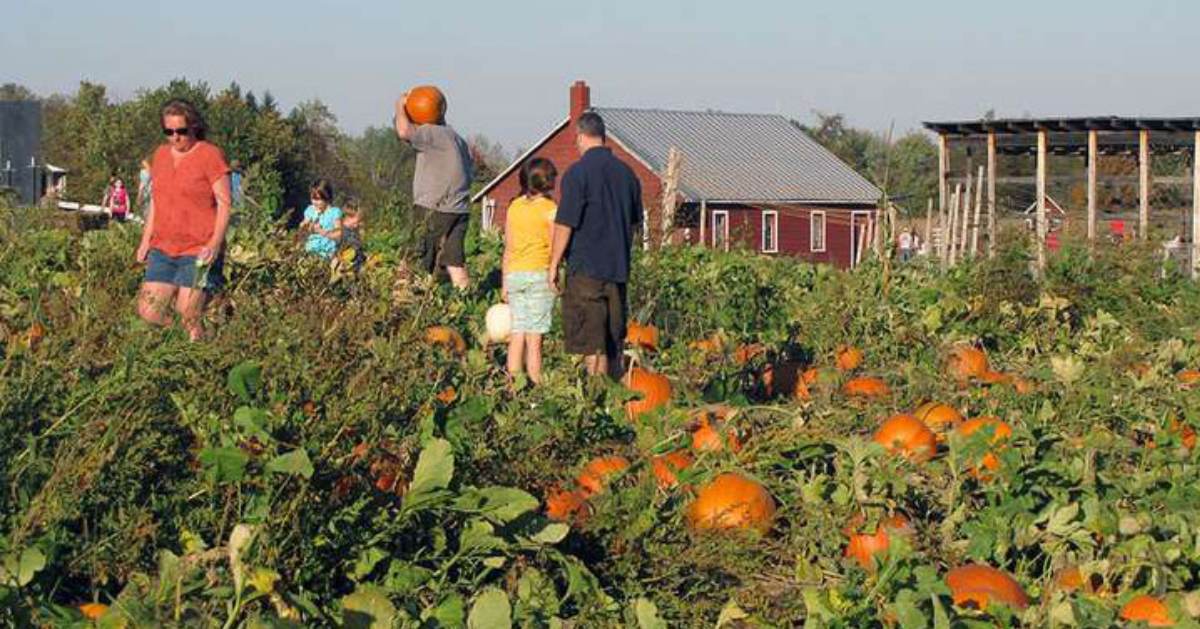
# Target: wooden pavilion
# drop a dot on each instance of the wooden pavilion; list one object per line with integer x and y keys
{"x": 1090, "y": 137}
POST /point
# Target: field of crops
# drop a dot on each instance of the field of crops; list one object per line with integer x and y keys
{"x": 326, "y": 460}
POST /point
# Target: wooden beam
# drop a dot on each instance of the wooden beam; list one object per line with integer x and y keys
{"x": 991, "y": 193}
{"x": 1092, "y": 165}
{"x": 1040, "y": 244}
{"x": 965, "y": 223}
{"x": 1196, "y": 208}
{"x": 943, "y": 192}
{"x": 952, "y": 224}
{"x": 703, "y": 221}
{"x": 1143, "y": 184}
{"x": 978, "y": 210}
{"x": 929, "y": 224}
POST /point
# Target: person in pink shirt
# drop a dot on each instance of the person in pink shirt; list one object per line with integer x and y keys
{"x": 116, "y": 199}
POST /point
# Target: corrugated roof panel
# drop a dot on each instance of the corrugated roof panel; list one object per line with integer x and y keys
{"x": 727, "y": 156}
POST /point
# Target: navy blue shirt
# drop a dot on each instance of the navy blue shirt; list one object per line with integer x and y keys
{"x": 602, "y": 202}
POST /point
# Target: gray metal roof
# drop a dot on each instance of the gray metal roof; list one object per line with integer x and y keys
{"x": 738, "y": 157}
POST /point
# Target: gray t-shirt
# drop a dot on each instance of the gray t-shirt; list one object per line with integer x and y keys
{"x": 442, "y": 180}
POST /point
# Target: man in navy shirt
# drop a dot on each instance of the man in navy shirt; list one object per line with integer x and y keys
{"x": 601, "y": 204}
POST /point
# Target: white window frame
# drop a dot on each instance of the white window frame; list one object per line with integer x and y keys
{"x": 488, "y": 210}
{"x": 773, "y": 215}
{"x": 812, "y": 231}
{"x": 724, "y": 214}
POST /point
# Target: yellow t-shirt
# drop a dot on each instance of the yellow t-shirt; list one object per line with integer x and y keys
{"x": 528, "y": 233}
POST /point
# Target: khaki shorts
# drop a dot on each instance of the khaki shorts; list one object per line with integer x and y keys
{"x": 593, "y": 316}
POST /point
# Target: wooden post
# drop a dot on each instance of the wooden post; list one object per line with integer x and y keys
{"x": 1196, "y": 207}
{"x": 670, "y": 194}
{"x": 703, "y": 221}
{"x": 1092, "y": 165}
{"x": 952, "y": 243}
{"x": 1143, "y": 184}
{"x": 943, "y": 193}
{"x": 978, "y": 210}
{"x": 991, "y": 192}
{"x": 929, "y": 224}
{"x": 1040, "y": 232}
{"x": 964, "y": 224}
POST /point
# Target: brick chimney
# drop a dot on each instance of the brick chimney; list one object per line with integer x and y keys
{"x": 581, "y": 99}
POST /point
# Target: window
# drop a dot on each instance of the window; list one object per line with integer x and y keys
{"x": 488, "y": 214}
{"x": 720, "y": 230}
{"x": 816, "y": 232}
{"x": 770, "y": 231}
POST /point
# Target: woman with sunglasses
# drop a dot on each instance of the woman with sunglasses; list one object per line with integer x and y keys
{"x": 186, "y": 222}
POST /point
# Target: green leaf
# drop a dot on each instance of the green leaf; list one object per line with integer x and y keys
{"x": 451, "y": 612}
{"x": 368, "y": 608}
{"x": 940, "y": 619}
{"x": 224, "y": 465}
{"x": 294, "y": 462}
{"x": 552, "y": 533}
{"x": 402, "y": 578}
{"x": 908, "y": 614}
{"x": 647, "y": 614}
{"x": 32, "y": 561}
{"x": 253, "y": 422}
{"x": 244, "y": 380}
{"x": 435, "y": 468}
{"x": 730, "y": 614}
{"x": 366, "y": 562}
{"x": 506, "y": 503}
{"x": 491, "y": 610}
{"x": 477, "y": 535}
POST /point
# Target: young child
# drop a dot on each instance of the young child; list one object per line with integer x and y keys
{"x": 117, "y": 200}
{"x": 322, "y": 219}
{"x": 526, "y": 263}
{"x": 351, "y": 234}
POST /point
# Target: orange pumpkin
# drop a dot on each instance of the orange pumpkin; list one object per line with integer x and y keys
{"x": 732, "y": 501}
{"x": 980, "y": 586}
{"x": 966, "y": 362}
{"x": 565, "y": 506}
{"x": 1187, "y": 434}
{"x": 1069, "y": 579}
{"x": 745, "y": 353}
{"x": 1188, "y": 377}
{"x": 654, "y": 388}
{"x": 907, "y": 435}
{"x": 666, "y": 467}
{"x": 34, "y": 335}
{"x": 598, "y": 472}
{"x": 93, "y": 611}
{"x": 643, "y": 336}
{"x": 446, "y": 337}
{"x": 990, "y": 461}
{"x": 1147, "y": 609}
{"x": 447, "y": 395}
{"x": 710, "y": 345}
{"x": 994, "y": 377}
{"x": 864, "y": 547}
{"x": 707, "y": 438}
{"x": 847, "y": 358}
{"x": 939, "y": 417}
{"x": 866, "y": 387}
{"x": 425, "y": 104}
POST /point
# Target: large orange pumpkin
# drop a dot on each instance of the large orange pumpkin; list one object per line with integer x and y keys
{"x": 446, "y": 337}
{"x": 966, "y": 362}
{"x": 732, "y": 501}
{"x": 566, "y": 506}
{"x": 866, "y": 387}
{"x": 847, "y": 358}
{"x": 990, "y": 461}
{"x": 907, "y": 435}
{"x": 599, "y": 471}
{"x": 864, "y": 547}
{"x": 1147, "y": 609}
{"x": 654, "y": 388}
{"x": 939, "y": 417}
{"x": 980, "y": 586}
{"x": 666, "y": 467}
{"x": 425, "y": 104}
{"x": 643, "y": 336}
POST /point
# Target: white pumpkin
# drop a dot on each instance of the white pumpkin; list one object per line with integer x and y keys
{"x": 499, "y": 323}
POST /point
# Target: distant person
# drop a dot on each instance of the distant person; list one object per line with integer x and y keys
{"x": 441, "y": 187}
{"x": 322, "y": 220}
{"x": 904, "y": 244}
{"x": 142, "y": 204}
{"x": 184, "y": 236}
{"x": 525, "y": 265}
{"x": 235, "y": 184}
{"x": 116, "y": 200}
{"x": 600, "y": 206}
{"x": 352, "y": 233}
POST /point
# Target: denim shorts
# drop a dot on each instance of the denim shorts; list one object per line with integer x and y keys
{"x": 531, "y": 300}
{"x": 181, "y": 271}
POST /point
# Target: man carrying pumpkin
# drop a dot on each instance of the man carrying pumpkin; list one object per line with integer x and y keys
{"x": 441, "y": 187}
{"x": 600, "y": 206}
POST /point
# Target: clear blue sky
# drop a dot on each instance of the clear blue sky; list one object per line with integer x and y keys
{"x": 507, "y": 65}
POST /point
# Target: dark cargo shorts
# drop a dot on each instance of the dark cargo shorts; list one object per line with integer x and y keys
{"x": 593, "y": 314}
{"x": 442, "y": 237}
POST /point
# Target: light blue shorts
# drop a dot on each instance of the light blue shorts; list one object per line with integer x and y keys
{"x": 531, "y": 300}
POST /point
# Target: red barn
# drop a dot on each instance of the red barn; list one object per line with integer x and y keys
{"x": 756, "y": 181}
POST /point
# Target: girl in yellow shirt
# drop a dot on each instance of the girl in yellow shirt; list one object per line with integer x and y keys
{"x": 525, "y": 266}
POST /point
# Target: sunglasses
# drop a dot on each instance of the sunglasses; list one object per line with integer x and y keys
{"x": 183, "y": 131}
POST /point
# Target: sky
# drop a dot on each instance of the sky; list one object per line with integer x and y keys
{"x": 506, "y": 66}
